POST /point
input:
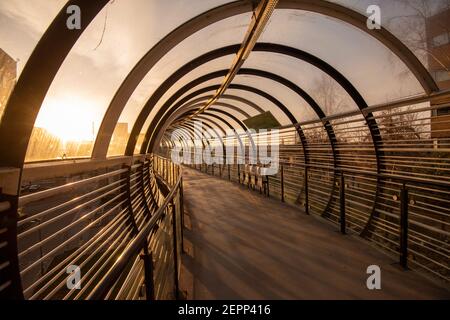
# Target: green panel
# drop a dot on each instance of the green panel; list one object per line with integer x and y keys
{"x": 264, "y": 120}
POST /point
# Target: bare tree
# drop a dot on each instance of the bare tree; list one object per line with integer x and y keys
{"x": 412, "y": 28}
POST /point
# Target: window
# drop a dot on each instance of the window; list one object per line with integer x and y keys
{"x": 440, "y": 40}
{"x": 442, "y": 75}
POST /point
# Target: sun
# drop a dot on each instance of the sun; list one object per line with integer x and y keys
{"x": 70, "y": 119}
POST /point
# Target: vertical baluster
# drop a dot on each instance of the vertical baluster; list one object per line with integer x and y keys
{"x": 172, "y": 207}
{"x": 404, "y": 199}
{"x": 282, "y": 183}
{"x": 342, "y": 203}
{"x": 306, "y": 191}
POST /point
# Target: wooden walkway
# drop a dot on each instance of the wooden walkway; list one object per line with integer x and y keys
{"x": 241, "y": 245}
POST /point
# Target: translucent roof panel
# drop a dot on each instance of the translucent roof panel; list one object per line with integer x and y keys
{"x": 422, "y": 25}
{"x": 257, "y": 99}
{"x": 150, "y": 83}
{"x": 26, "y": 20}
{"x": 101, "y": 59}
{"x": 238, "y": 104}
{"x": 296, "y": 105}
{"x": 225, "y": 32}
{"x": 371, "y": 67}
{"x": 330, "y": 96}
{"x": 291, "y": 100}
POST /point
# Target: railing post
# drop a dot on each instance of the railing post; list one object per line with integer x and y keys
{"x": 306, "y": 191}
{"x": 173, "y": 173}
{"x": 147, "y": 257}
{"x": 239, "y": 173}
{"x": 404, "y": 199}
{"x": 229, "y": 173}
{"x": 166, "y": 170}
{"x": 342, "y": 203}
{"x": 11, "y": 281}
{"x": 282, "y": 183}
{"x": 151, "y": 163}
{"x": 144, "y": 197}
{"x": 175, "y": 248}
{"x": 129, "y": 202}
{"x": 182, "y": 213}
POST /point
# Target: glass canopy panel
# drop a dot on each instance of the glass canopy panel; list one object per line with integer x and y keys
{"x": 422, "y": 25}
{"x": 329, "y": 94}
{"x": 22, "y": 24}
{"x": 101, "y": 59}
{"x": 148, "y": 86}
{"x": 295, "y": 104}
{"x": 151, "y": 82}
{"x": 212, "y": 110}
{"x": 238, "y": 104}
{"x": 257, "y": 99}
{"x": 371, "y": 67}
{"x": 225, "y": 32}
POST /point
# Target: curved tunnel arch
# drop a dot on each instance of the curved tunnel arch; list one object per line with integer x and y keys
{"x": 57, "y": 42}
{"x": 359, "y": 21}
{"x": 216, "y": 134}
{"x": 227, "y": 106}
{"x": 320, "y": 64}
{"x": 158, "y": 122}
{"x": 234, "y": 98}
{"x": 328, "y": 69}
{"x": 15, "y": 132}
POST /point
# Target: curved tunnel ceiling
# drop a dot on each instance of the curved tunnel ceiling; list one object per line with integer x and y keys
{"x": 57, "y": 44}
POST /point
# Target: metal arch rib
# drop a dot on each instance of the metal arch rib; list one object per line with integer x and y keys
{"x": 15, "y": 131}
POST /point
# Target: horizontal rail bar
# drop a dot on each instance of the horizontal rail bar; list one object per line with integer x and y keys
{"x": 135, "y": 245}
{"x": 64, "y": 188}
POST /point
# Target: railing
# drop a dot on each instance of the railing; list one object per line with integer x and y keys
{"x": 406, "y": 215}
{"x": 383, "y": 173}
{"x": 141, "y": 244}
{"x": 113, "y": 233}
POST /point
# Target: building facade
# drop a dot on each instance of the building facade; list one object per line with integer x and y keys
{"x": 438, "y": 35}
{"x": 8, "y": 75}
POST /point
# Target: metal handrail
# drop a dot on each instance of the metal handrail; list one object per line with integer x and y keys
{"x": 400, "y": 179}
{"x": 66, "y": 187}
{"x": 134, "y": 247}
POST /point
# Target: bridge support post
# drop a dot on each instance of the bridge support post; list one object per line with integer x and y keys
{"x": 342, "y": 203}
{"x": 282, "y": 183}
{"x": 147, "y": 211}
{"x": 147, "y": 257}
{"x": 11, "y": 282}
{"x": 306, "y": 191}
{"x": 151, "y": 168}
{"x": 182, "y": 214}
{"x": 129, "y": 204}
{"x": 173, "y": 208}
{"x": 404, "y": 199}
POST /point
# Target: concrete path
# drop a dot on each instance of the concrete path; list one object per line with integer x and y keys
{"x": 243, "y": 246}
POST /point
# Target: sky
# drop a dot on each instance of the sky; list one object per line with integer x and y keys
{"x": 95, "y": 68}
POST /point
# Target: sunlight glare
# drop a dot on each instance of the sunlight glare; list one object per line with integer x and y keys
{"x": 71, "y": 119}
